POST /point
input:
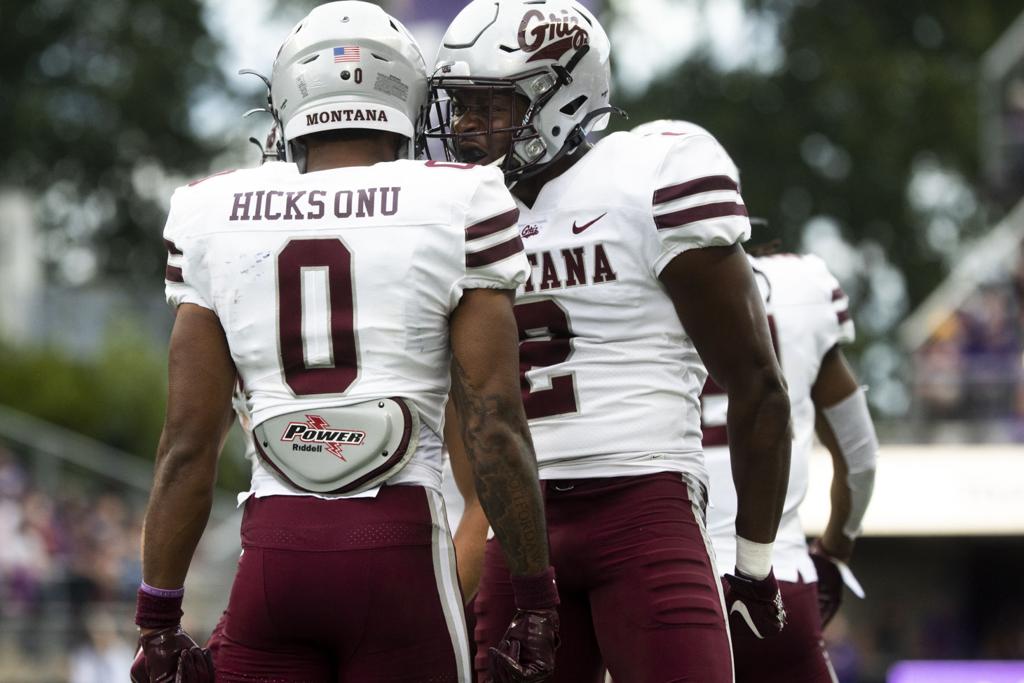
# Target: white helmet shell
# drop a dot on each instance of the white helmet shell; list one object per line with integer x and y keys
{"x": 535, "y": 44}
{"x": 349, "y": 65}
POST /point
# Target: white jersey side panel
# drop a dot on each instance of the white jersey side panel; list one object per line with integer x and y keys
{"x": 335, "y": 287}
{"x": 611, "y": 379}
{"x": 808, "y": 315}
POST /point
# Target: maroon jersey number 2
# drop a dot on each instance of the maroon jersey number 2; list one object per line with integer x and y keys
{"x": 545, "y": 339}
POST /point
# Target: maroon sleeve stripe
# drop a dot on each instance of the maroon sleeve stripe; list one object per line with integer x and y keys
{"x": 173, "y": 274}
{"x": 495, "y": 253}
{"x": 695, "y": 186}
{"x": 492, "y": 225}
{"x": 843, "y": 315}
{"x": 171, "y": 248}
{"x": 838, "y": 294}
{"x": 678, "y": 219}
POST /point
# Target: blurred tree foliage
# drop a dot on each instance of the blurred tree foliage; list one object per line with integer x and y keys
{"x": 93, "y": 95}
{"x": 863, "y": 95}
{"x": 117, "y": 397}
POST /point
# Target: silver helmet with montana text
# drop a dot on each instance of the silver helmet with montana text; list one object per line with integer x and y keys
{"x": 349, "y": 65}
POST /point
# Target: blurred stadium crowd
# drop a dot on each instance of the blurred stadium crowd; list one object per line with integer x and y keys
{"x": 69, "y": 569}
{"x": 971, "y": 368}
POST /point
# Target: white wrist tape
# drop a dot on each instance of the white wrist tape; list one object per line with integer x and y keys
{"x": 851, "y": 423}
{"x": 753, "y": 559}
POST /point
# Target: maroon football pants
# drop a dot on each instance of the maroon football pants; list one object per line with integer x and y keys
{"x": 360, "y": 590}
{"x": 797, "y": 655}
{"x": 638, "y": 590}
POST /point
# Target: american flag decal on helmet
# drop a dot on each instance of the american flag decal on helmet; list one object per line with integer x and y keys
{"x": 348, "y": 53}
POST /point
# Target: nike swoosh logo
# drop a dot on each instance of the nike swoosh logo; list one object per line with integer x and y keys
{"x": 577, "y": 229}
{"x": 742, "y": 609}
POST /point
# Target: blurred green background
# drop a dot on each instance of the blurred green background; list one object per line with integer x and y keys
{"x": 888, "y": 137}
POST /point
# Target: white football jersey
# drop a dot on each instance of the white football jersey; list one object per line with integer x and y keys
{"x": 335, "y": 287}
{"x": 808, "y": 314}
{"x": 602, "y": 350}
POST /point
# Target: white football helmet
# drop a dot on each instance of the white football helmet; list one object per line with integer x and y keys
{"x": 349, "y": 65}
{"x": 552, "y": 52}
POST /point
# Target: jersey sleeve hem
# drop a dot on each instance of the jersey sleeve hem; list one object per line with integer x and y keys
{"x": 178, "y": 295}
{"x": 721, "y": 240}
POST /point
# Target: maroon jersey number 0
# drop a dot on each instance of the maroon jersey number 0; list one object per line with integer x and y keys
{"x": 332, "y": 256}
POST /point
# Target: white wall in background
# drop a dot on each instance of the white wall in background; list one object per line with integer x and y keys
{"x": 21, "y": 269}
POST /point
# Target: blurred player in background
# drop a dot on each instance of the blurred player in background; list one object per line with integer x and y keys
{"x": 636, "y": 268}
{"x": 338, "y": 290}
{"x": 809, "y": 319}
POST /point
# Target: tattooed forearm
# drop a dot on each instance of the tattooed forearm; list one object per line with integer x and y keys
{"x": 498, "y": 445}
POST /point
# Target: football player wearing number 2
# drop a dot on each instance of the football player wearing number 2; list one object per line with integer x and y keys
{"x": 349, "y": 292}
{"x": 636, "y": 275}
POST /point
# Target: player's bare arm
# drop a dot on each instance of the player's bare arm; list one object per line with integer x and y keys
{"x": 470, "y": 536}
{"x": 719, "y": 305}
{"x": 201, "y": 376}
{"x": 497, "y": 443}
{"x": 494, "y": 432}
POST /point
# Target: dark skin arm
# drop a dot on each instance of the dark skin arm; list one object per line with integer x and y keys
{"x": 201, "y": 376}
{"x": 471, "y": 535}
{"x": 494, "y": 432}
{"x": 719, "y": 305}
{"x": 835, "y": 382}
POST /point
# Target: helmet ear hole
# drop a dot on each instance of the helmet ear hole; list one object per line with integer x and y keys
{"x": 572, "y": 107}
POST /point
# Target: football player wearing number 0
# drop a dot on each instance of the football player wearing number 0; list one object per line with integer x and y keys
{"x": 636, "y": 274}
{"x": 349, "y": 291}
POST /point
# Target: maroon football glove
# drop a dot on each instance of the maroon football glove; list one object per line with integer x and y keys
{"x": 526, "y": 653}
{"x": 169, "y": 655}
{"x": 830, "y": 583}
{"x": 755, "y": 605}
